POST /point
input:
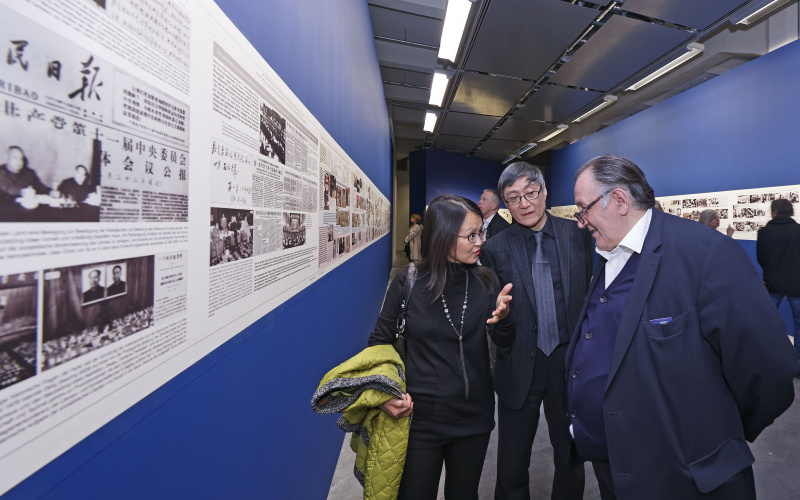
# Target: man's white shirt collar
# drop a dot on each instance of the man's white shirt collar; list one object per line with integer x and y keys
{"x": 630, "y": 244}
{"x": 488, "y": 220}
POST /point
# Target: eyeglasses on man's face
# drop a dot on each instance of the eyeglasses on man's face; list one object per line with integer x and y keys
{"x": 579, "y": 215}
{"x": 516, "y": 200}
{"x": 472, "y": 238}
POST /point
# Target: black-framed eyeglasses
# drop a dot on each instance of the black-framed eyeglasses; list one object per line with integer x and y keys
{"x": 472, "y": 238}
{"x": 516, "y": 200}
{"x": 579, "y": 215}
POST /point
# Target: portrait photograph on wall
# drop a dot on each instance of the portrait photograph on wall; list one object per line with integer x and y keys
{"x": 90, "y": 306}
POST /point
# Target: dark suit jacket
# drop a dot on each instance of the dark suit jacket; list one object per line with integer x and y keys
{"x": 116, "y": 288}
{"x": 505, "y": 254}
{"x": 498, "y": 224}
{"x": 98, "y": 293}
{"x": 682, "y": 397}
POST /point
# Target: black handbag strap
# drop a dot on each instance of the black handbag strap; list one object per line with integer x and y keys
{"x": 411, "y": 277}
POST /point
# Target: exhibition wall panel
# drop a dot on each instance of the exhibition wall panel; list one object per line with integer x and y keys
{"x": 239, "y": 332}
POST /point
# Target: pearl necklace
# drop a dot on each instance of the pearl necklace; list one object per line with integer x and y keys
{"x": 460, "y": 334}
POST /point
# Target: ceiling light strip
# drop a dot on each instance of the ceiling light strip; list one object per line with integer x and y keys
{"x": 455, "y": 20}
{"x": 560, "y": 128}
{"x": 430, "y": 121}
{"x": 438, "y": 89}
{"x": 694, "y": 49}
{"x": 763, "y": 11}
{"x": 607, "y": 101}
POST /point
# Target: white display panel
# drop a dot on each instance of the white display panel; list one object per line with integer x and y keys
{"x": 160, "y": 189}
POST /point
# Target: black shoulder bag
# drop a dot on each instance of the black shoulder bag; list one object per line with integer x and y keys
{"x": 400, "y": 335}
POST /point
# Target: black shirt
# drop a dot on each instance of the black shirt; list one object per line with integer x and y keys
{"x": 434, "y": 378}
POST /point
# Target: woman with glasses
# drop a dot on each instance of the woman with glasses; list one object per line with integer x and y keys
{"x": 452, "y": 305}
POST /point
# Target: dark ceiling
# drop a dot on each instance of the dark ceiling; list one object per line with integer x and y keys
{"x": 526, "y": 66}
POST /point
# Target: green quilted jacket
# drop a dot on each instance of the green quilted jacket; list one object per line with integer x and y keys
{"x": 355, "y": 389}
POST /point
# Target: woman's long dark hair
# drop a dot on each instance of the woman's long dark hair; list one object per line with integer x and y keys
{"x": 443, "y": 221}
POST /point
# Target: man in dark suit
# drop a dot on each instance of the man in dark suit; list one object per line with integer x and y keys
{"x": 679, "y": 356}
{"x": 489, "y": 205}
{"x": 95, "y": 291}
{"x": 549, "y": 261}
{"x": 118, "y": 286}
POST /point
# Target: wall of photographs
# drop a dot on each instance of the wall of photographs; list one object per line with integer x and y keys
{"x": 161, "y": 188}
{"x": 746, "y": 210}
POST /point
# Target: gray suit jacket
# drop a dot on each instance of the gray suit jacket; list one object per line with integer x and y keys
{"x": 505, "y": 254}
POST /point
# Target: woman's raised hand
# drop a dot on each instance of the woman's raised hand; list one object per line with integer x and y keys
{"x": 502, "y": 305}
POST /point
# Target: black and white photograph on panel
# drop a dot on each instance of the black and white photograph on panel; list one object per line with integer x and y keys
{"x": 342, "y": 196}
{"x": 747, "y": 226}
{"x": 691, "y": 214}
{"x": 73, "y": 326}
{"x": 294, "y": 230}
{"x": 18, "y": 297}
{"x": 42, "y": 184}
{"x": 689, "y": 203}
{"x": 93, "y": 284}
{"x": 343, "y": 218}
{"x": 115, "y": 278}
{"x": 231, "y": 232}
{"x": 326, "y": 188}
{"x": 273, "y": 134}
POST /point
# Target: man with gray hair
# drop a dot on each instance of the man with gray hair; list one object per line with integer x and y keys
{"x": 549, "y": 261}
{"x": 489, "y": 205}
{"x": 679, "y": 357}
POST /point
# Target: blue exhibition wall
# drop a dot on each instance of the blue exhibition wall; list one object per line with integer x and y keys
{"x": 737, "y": 131}
{"x": 432, "y": 173}
{"x": 238, "y": 423}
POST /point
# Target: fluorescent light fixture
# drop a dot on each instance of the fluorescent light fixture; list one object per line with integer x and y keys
{"x": 510, "y": 159}
{"x": 694, "y": 49}
{"x": 455, "y": 20}
{"x": 438, "y": 88}
{"x": 763, "y": 11}
{"x": 526, "y": 148}
{"x": 560, "y": 128}
{"x": 430, "y": 121}
{"x": 607, "y": 101}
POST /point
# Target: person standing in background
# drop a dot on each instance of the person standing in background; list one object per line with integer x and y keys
{"x": 778, "y": 254}
{"x": 414, "y": 239}
{"x": 710, "y": 217}
{"x": 489, "y": 205}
